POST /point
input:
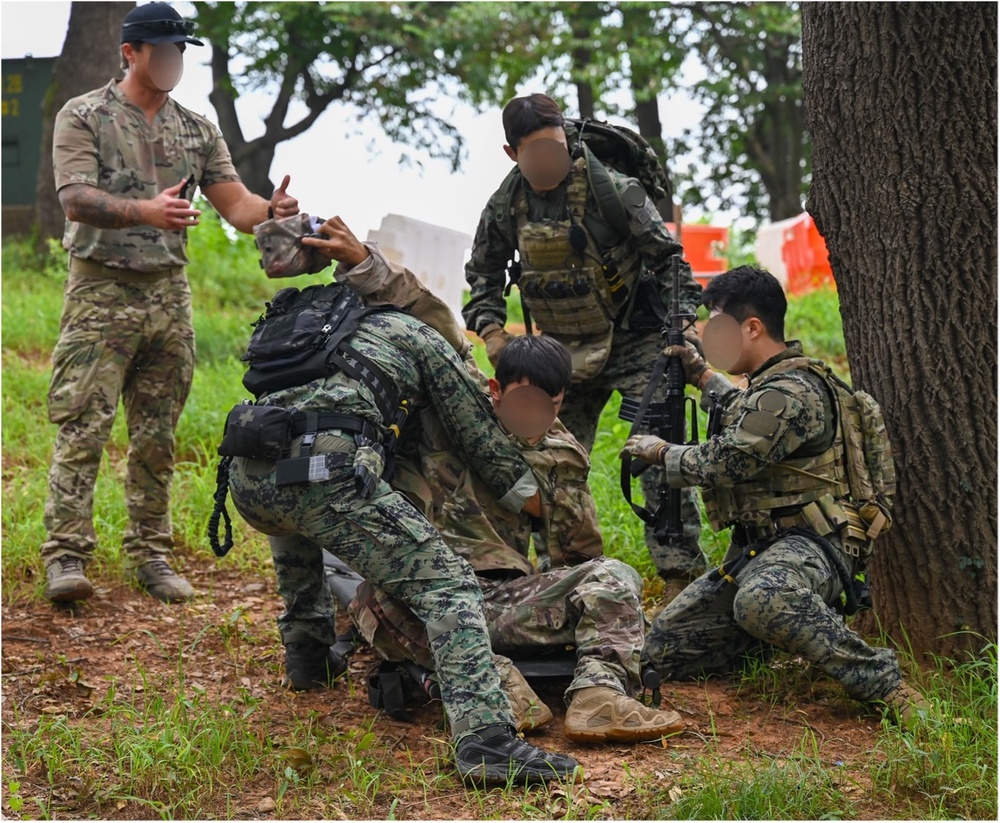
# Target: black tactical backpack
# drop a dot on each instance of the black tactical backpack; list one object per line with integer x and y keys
{"x": 302, "y": 336}
{"x": 625, "y": 151}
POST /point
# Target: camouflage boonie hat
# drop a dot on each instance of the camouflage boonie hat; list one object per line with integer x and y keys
{"x": 281, "y": 252}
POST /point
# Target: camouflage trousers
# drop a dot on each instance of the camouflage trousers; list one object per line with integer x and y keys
{"x": 124, "y": 337}
{"x": 783, "y": 599}
{"x": 385, "y": 540}
{"x": 594, "y": 607}
{"x": 627, "y": 371}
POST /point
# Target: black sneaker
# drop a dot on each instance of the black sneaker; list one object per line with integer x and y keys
{"x": 495, "y": 755}
{"x": 65, "y": 580}
{"x": 310, "y": 664}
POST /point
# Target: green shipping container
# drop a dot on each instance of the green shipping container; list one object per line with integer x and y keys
{"x": 25, "y": 82}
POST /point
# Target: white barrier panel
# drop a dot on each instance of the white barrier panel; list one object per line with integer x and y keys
{"x": 769, "y": 248}
{"x": 435, "y": 254}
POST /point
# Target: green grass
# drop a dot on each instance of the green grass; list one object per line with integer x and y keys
{"x": 791, "y": 787}
{"x": 946, "y": 767}
{"x": 174, "y": 751}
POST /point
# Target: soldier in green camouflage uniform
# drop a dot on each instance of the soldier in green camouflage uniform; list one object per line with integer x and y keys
{"x": 610, "y": 322}
{"x": 387, "y": 541}
{"x": 567, "y": 531}
{"x": 121, "y": 155}
{"x": 594, "y": 606}
{"x": 778, "y": 471}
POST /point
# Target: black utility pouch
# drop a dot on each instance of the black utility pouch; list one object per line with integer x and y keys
{"x": 257, "y": 431}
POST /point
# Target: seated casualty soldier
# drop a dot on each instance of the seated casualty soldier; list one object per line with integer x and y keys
{"x": 786, "y": 466}
{"x": 594, "y": 606}
{"x": 306, "y": 466}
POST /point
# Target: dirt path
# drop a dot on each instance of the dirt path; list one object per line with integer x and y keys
{"x": 58, "y": 661}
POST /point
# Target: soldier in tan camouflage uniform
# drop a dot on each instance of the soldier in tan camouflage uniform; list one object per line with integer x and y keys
{"x": 122, "y": 154}
{"x": 600, "y": 293}
{"x": 782, "y": 472}
{"x": 594, "y": 605}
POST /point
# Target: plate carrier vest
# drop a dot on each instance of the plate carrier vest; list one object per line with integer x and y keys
{"x": 846, "y": 489}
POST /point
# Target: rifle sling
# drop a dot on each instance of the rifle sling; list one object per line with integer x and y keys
{"x": 626, "y": 474}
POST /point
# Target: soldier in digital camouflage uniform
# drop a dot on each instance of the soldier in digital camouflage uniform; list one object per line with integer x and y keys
{"x": 782, "y": 471}
{"x": 387, "y": 541}
{"x": 549, "y": 213}
{"x": 567, "y": 531}
{"x": 594, "y": 605}
{"x": 121, "y": 155}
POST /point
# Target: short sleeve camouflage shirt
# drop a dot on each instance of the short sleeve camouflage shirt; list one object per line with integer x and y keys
{"x": 104, "y": 141}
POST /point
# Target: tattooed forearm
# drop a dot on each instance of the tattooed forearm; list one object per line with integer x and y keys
{"x": 90, "y": 205}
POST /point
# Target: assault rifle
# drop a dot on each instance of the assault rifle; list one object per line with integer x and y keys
{"x": 664, "y": 419}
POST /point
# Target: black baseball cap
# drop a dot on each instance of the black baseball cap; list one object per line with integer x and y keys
{"x": 157, "y": 23}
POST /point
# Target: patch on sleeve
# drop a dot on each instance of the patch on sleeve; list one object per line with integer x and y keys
{"x": 772, "y": 402}
{"x": 760, "y": 424}
{"x": 634, "y": 196}
{"x": 634, "y": 199}
{"x": 758, "y": 431}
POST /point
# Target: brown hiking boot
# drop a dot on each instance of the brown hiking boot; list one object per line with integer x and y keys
{"x": 530, "y": 712}
{"x": 600, "y": 713}
{"x": 906, "y": 706}
{"x": 66, "y": 581}
{"x": 159, "y": 580}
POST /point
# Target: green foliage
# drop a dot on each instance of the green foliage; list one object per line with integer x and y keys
{"x": 751, "y": 149}
{"x": 383, "y": 60}
{"x": 741, "y": 251}
{"x": 796, "y": 787}
{"x": 171, "y": 748}
{"x": 814, "y": 318}
{"x": 394, "y": 61}
{"x": 951, "y": 756}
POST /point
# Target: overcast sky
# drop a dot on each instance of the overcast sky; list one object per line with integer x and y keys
{"x": 334, "y": 170}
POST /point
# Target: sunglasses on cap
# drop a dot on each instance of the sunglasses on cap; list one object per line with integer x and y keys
{"x": 161, "y": 26}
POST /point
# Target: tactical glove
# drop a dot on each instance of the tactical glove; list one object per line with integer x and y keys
{"x": 495, "y": 337}
{"x": 646, "y": 447}
{"x": 694, "y": 364}
{"x": 692, "y": 337}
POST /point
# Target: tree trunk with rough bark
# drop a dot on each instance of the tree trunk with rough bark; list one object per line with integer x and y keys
{"x": 902, "y": 108}
{"x": 90, "y": 57}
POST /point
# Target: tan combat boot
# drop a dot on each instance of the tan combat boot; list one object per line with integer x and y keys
{"x": 599, "y": 713}
{"x": 530, "y": 712}
{"x": 906, "y": 705}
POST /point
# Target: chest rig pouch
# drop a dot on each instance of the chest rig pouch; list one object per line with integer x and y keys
{"x": 569, "y": 290}
{"x": 844, "y": 489}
